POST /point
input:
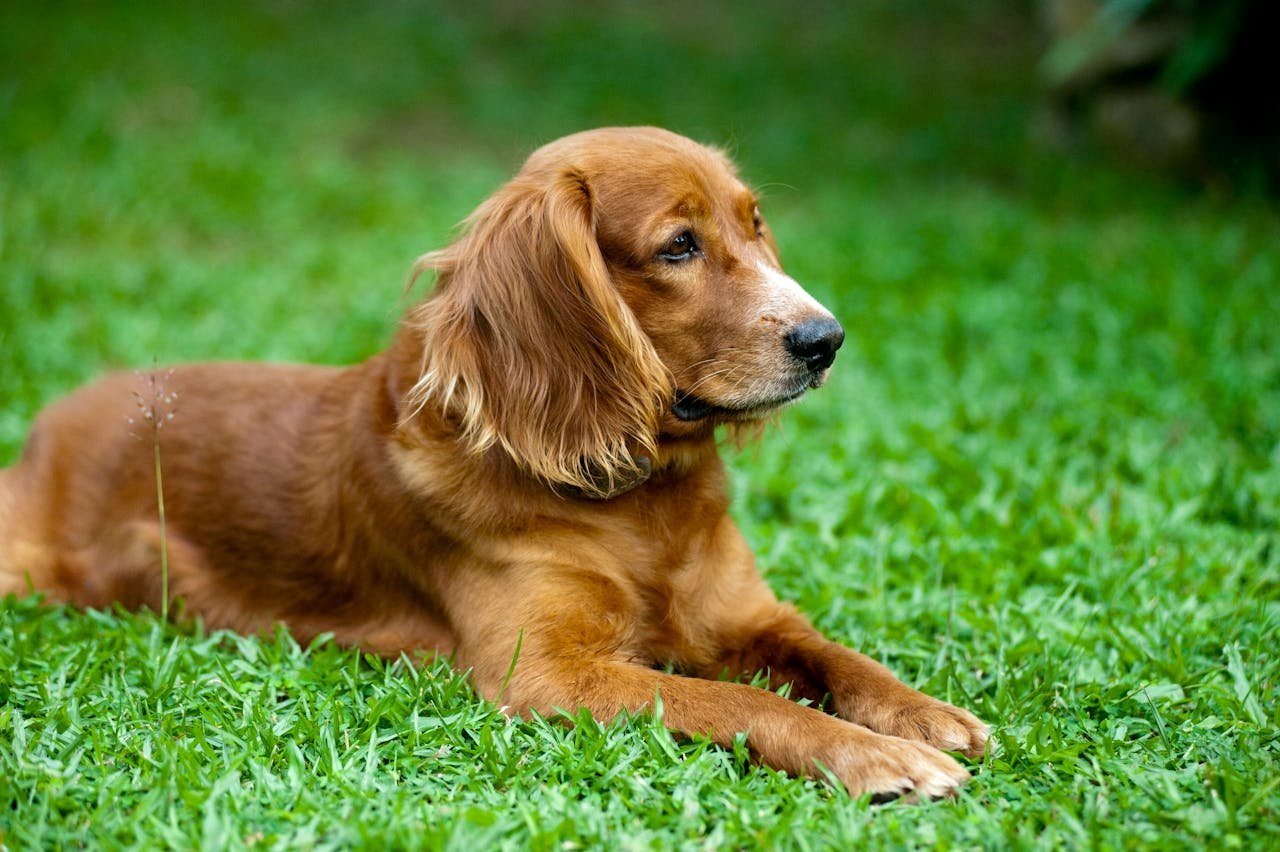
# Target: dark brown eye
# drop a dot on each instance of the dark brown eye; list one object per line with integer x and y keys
{"x": 682, "y": 247}
{"x": 757, "y": 222}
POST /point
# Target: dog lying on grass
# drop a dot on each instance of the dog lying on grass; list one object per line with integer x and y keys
{"x": 529, "y": 472}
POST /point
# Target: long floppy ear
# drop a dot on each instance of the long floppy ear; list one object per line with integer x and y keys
{"x": 527, "y": 343}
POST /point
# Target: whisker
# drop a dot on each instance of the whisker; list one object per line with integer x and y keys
{"x": 702, "y": 381}
{"x": 719, "y": 356}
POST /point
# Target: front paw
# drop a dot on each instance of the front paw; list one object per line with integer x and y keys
{"x": 888, "y": 768}
{"x": 935, "y": 722}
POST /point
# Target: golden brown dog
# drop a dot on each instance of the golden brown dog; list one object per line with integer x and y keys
{"x": 532, "y": 464}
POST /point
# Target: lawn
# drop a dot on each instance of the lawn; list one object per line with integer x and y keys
{"x": 1043, "y": 482}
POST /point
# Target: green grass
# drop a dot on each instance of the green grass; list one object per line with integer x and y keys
{"x": 1044, "y": 481}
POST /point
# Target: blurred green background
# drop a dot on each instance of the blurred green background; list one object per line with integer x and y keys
{"x": 282, "y": 155}
{"x": 1044, "y": 480}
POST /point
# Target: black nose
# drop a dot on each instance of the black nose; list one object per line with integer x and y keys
{"x": 815, "y": 342}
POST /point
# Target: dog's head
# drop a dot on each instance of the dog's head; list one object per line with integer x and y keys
{"x": 623, "y": 285}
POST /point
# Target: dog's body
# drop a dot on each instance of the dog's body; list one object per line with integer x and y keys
{"x": 531, "y": 466}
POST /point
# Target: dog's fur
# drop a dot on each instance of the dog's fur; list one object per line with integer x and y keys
{"x": 532, "y": 464}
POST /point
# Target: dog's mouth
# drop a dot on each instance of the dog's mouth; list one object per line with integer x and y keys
{"x": 691, "y": 408}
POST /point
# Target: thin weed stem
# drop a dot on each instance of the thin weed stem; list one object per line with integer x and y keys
{"x": 156, "y": 408}
{"x": 164, "y": 533}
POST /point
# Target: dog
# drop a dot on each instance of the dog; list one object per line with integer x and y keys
{"x": 528, "y": 473}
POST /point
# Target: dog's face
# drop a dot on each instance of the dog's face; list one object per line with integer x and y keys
{"x": 621, "y": 288}
{"x": 690, "y": 253}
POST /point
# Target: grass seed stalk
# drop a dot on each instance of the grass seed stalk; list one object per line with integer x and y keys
{"x": 156, "y": 407}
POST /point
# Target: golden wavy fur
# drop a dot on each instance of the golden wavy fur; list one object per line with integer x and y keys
{"x": 559, "y": 376}
{"x": 530, "y": 465}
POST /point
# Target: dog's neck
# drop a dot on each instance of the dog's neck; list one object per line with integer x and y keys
{"x": 676, "y": 457}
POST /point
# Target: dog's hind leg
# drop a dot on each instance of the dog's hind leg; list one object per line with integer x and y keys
{"x": 128, "y": 567}
{"x": 123, "y": 567}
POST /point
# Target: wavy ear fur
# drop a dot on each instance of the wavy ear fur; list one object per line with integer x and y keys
{"x": 527, "y": 343}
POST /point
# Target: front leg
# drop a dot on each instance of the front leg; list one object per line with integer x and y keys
{"x": 777, "y": 639}
{"x": 574, "y": 651}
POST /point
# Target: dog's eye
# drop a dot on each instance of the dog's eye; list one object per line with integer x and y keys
{"x": 682, "y": 247}
{"x": 757, "y": 221}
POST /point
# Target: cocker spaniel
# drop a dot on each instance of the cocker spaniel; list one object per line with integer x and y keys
{"x": 528, "y": 473}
